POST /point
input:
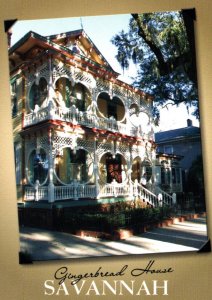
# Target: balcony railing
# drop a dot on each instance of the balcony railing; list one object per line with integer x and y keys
{"x": 88, "y": 119}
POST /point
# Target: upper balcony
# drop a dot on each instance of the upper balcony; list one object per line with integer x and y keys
{"x": 85, "y": 118}
{"x": 76, "y": 103}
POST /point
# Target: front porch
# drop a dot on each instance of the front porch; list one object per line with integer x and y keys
{"x": 77, "y": 191}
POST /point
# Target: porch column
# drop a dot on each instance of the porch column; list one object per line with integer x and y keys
{"x": 157, "y": 177}
{"x": 51, "y": 170}
{"x": 51, "y": 92}
{"x": 154, "y": 174}
{"x": 171, "y": 179}
{"x": 93, "y": 102}
{"x": 96, "y": 175}
{"x": 127, "y": 116}
{"x": 129, "y": 173}
{"x": 181, "y": 180}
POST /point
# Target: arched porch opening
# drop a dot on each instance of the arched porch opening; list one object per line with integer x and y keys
{"x": 110, "y": 108}
{"x": 38, "y": 94}
{"x": 136, "y": 169}
{"x": 81, "y": 97}
{"x": 113, "y": 168}
{"x": 68, "y": 94}
{"x": 63, "y": 90}
{"x": 37, "y": 167}
{"x": 73, "y": 166}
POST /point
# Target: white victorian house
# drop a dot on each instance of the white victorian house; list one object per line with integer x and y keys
{"x": 79, "y": 132}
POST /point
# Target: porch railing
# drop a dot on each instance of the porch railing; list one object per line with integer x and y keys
{"x": 166, "y": 198}
{"x": 113, "y": 190}
{"x": 87, "y": 119}
{"x": 141, "y": 192}
{"x": 75, "y": 191}
{"x": 31, "y": 193}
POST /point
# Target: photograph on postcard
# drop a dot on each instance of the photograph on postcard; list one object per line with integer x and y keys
{"x": 107, "y": 140}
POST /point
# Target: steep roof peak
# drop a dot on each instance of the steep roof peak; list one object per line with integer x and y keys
{"x": 62, "y": 35}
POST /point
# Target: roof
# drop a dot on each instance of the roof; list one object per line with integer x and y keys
{"x": 33, "y": 46}
{"x": 177, "y": 134}
{"x": 80, "y": 33}
{"x": 169, "y": 155}
{"x": 32, "y": 39}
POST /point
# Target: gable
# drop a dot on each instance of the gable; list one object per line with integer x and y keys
{"x": 79, "y": 43}
{"x": 73, "y": 43}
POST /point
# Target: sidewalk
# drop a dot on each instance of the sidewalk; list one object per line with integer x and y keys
{"x": 51, "y": 245}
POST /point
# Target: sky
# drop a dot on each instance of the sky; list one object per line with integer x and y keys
{"x": 100, "y": 30}
{"x": 101, "y": 37}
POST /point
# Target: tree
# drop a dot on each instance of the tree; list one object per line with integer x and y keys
{"x": 162, "y": 47}
{"x": 195, "y": 181}
{"x": 195, "y": 178}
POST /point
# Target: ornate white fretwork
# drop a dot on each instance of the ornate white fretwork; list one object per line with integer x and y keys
{"x": 73, "y": 75}
{"x": 102, "y": 86}
{"x": 123, "y": 149}
{"x": 42, "y": 71}
{"x": 120, "y": 91}
{"x": 137, "y": 151}
{"x": 60, "y": 142}
{"x": 42, "y": 142}
{"x": 60, "y": 69}
{"x": 87, "y": 145}
{"x": 104, "y": 148}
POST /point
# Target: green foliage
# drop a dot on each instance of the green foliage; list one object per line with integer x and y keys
{"x": 124, "y": 216}
{"x": 195, "y": 180}
{"x": 158, "y": 44}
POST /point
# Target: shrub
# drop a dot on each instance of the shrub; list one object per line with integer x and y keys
{"x": 121, "y": 217}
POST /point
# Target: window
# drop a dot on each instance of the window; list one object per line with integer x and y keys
{"x": 14, "y": 106}
{"x": 14, "y": 99}
{"x": 168, "y": 149}
{"x": 165, "y": 173}
{"x": 17, "y": 152}
{"x": 165, "y": 176}
{"x": 175, "y": 175}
